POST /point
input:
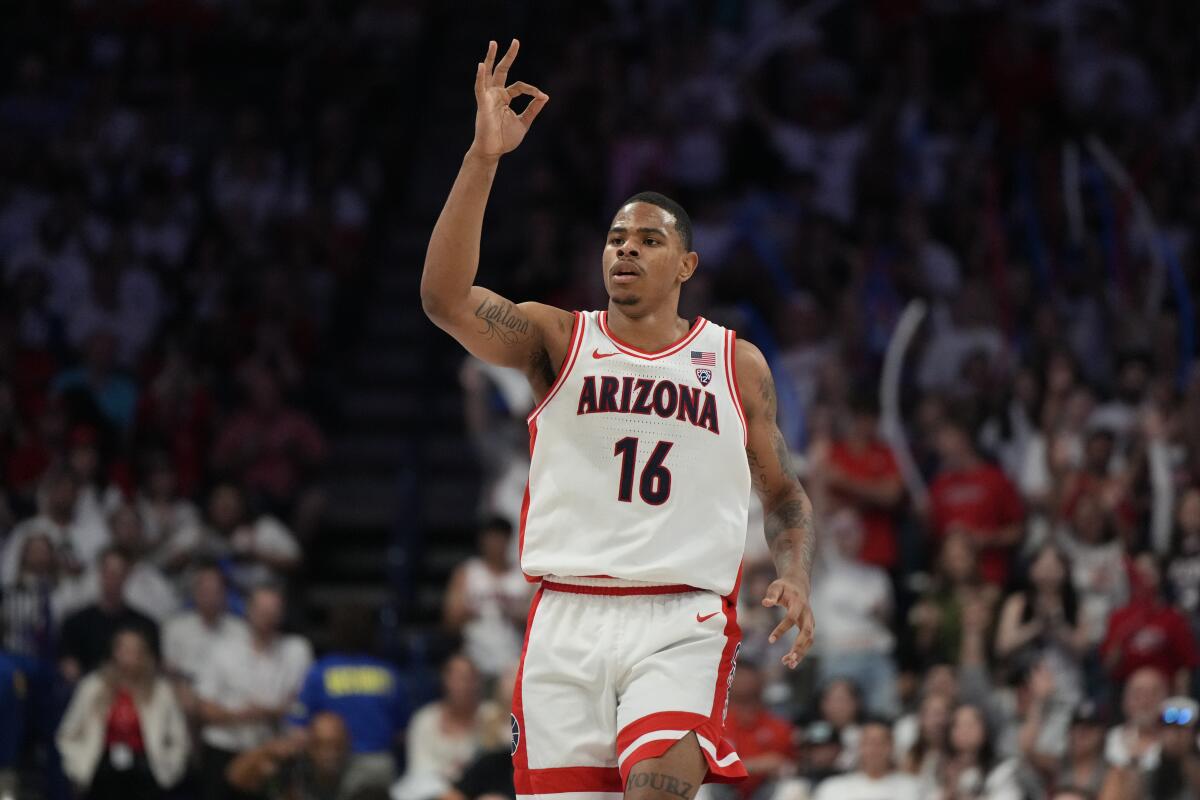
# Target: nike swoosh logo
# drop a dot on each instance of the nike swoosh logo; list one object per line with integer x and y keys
{"x": 597, "y": 354}
{"x": 706, "y": 617}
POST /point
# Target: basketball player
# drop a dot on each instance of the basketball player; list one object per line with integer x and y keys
{"x": 647, "y": 438}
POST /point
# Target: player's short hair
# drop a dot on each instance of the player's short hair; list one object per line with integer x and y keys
{"x": 683, "y": 223}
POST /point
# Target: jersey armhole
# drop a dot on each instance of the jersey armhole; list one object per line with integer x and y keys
{"x": 564, "y": 368}
{"x": 731, "y": 378}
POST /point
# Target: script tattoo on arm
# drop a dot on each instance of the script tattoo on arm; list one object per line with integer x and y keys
{"x": 501, "y": 321}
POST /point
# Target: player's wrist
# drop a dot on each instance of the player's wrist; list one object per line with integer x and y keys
{"x": 476, "y": 153}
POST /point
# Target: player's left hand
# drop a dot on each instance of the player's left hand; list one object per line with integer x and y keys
{"x": 794, "y": 600}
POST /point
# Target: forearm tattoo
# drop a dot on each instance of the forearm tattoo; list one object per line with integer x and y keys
{"x": 659, "y": 782}
{"x": 501, "y": 321}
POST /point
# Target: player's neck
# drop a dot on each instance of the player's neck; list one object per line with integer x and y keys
{"x": 651, "y": 331}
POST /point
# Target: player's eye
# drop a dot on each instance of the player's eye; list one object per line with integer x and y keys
{"x": 651, "y": 240}
{"x": 615, "y": 240}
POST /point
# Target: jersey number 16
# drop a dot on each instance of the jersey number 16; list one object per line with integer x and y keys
{"x": 655, "y": 483}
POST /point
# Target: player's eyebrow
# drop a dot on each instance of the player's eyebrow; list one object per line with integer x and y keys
{"x": 620, "y": 229}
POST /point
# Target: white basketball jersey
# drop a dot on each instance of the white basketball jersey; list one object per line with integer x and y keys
{"x": 638, "y": 465}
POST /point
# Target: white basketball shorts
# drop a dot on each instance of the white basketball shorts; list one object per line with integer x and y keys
{"x": 612, "y": 675}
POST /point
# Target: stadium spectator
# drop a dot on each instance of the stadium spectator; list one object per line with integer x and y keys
{"x": 1183, "y": 570}
{"x": 268, "y": 446}
{"x": 365, "y": 692}
{"x": 97, "y": 384}
{"x": 861, "y": 471}
{"x": 937, "y": 617}
{"x": 77, "y": 542}
{"x": 164, "y": 511}
{"x": 86, "y": 638}
{"x": 15, "y": 680}
{"x": 146, "y": 590}
{"x": 313, "y": 764}
{"x": 972, "y": 768}
{"x": 973, "y": 497}
{"x": 124, "y": 734}
{"x": 875, "y": 778}
{"x": 1137, "y": 741}
{"x": 764, "y": 741}
{"x": 29, "y": 606}
{"x": 855, "y": 599}
{"x": 487, "y": 601}
{"x": 1149, "y": 633}
{"x": 247, "y": 687}
{"x": 256, "y": 549}
{"x": 839, "y": 705}
{"x": 1097, "y": 566}
{"x": 446, "y": 735}
{"x": 1039, "y": 623}
{"x": 921, "y": 740}
{"x": 1082, "y": 764}
{"x": 190, "y": 638}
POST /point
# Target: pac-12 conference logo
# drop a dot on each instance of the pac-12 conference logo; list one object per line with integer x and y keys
{"x": 705, "y": 376}
{"x": 516, "y": 733}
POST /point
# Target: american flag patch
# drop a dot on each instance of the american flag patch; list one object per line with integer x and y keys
{"x": 702, "y": 359}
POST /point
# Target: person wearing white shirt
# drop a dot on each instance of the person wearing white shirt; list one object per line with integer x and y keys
{"x": 854, "y": 600}
{"x": 190, "y": 637}
{"x": 1138, "y": 742}
{"x": 247, "y": 687}
{"x": 76, "y": 543}
{"x": 876, "y": 778}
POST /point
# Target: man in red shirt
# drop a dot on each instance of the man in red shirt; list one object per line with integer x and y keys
{"x": 861, "y": 472}
{"x": 977, "y": 498}
{"x": 1149, "y": 633}
{"x": 764, "y": 741}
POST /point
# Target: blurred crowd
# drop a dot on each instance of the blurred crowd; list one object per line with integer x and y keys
{"x": 1008, "y": 586}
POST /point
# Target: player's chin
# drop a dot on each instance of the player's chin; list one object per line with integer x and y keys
{"x": 624, "y": 298}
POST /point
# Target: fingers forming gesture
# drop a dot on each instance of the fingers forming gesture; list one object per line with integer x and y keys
{"x": 798, "y": 613}
{"x": 499, "y": 129}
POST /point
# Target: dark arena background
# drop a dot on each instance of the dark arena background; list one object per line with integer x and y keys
{"x": 257, "y": 513}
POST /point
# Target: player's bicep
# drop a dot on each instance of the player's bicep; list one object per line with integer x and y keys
{"x": 494, "y": 328}
{"x": 766, "y": 450}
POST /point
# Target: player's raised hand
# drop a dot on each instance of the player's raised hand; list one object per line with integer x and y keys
{"x": 499, "y": 129}
{"x": 798, "y": 613}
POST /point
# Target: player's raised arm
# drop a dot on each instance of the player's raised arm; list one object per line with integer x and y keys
{"x": 788, "y": 516}
{"x": 488, "y": 325}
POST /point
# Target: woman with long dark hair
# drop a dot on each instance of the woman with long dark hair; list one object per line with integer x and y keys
{"x": 1039, "y": 623}
{"x": 972, "y": 770}
{"x": 124, "y": 735}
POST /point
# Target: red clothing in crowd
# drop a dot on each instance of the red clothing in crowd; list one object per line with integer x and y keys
{"x": 757, "y": 734}
{"x": 872, "y": 463}
{"x": 272, "y": 450}
{"x": 1147, "y": 633}
{"x": 983, "y": 500}
{"x": 124, "y": 727}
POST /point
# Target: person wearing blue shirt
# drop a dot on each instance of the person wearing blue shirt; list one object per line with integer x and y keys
{"x": 14, "y": 684}
{"x": 365, "y": 691}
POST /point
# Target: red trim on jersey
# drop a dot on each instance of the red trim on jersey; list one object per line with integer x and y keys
{"x": 525, "y": 503}
{"x": 572, "y": 588}
{"x": 661, "y": 721}
{"x": 521, "y": 756}
{"x": 564, "y": 368}
{"x": 733, "y": 637}
{"x": 556, "y": 780}
{"x": 670, "y": 349}
{"x": 731, "y": 379}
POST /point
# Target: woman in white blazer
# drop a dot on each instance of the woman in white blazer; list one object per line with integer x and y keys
{"x": 124, "y": 734}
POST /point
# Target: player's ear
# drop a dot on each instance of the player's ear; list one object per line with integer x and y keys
{"x": 687, "y": 266}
